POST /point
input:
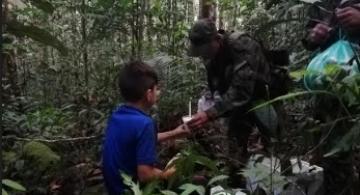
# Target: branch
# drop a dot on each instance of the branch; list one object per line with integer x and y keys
{"x": 73, "y": 139}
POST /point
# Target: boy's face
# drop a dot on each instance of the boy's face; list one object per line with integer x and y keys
{"x": 152, "y": 95}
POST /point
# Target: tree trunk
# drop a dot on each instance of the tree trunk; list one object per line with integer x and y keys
{"x": 84, "y": 45}
{"x": 235, "y": 15}
{"x": 140, "y": 27}
{"x": 86, "y": 66}
{"x": 174, "y": 26}
{"x": 221, "y": 15}
{"x": 149, "y": 25}
{"x": 9, "y": 66}
{"x": 2, "y": 21}
{"x": 207, "y": 10}
{"x": 133, "y": 29}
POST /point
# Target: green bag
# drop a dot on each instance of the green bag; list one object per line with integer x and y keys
{"x": 339, "y": 60}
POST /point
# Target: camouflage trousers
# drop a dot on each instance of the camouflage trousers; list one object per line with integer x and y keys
{"x": 239, "y": 130}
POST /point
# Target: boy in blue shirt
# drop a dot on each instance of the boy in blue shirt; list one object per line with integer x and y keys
{"x": 130, "y": 139}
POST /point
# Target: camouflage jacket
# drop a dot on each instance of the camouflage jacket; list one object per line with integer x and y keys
{"x": 324, "y": 11}
{"x": 238, "y": 73}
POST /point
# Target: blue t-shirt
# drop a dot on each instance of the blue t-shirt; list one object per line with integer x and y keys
{"x": 130, "y": 140}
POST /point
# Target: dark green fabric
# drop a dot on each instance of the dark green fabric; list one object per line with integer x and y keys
{"x": 239, "y": 73}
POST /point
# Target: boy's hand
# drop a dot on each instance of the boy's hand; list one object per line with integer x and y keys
{"x": 168, "y": 172}
{"x": 182, "y": 131}
{"x": 198, "y": 120}
{"x": 320, "y": 33}
{"x": 349, "y": 17}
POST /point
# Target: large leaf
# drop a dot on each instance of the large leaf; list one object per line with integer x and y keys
{"x": 190, "y": 188}
{"x": 37, "y": 34}
{"x": 3, "y": 192}
{"x": 13, "y": 185}
{"x": 310, "y": 1}
{"x": 217, "y": 179}
{"x": 43, "y": 5}
{"x": 168, "y": 192}
{"x": 347, "y": 142}
{"x": 135, "y": 187}
{"x": 43, "y": 156}
{"x": 259, "y": 173}
{"x": 290, "y": 96}
{"x": 207, "y": 162}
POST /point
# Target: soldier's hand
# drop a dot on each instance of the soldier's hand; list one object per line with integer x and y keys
{"x": 198, "y": 120}
{"x": 320, "y": 33}
{"x": 349, "y": 17}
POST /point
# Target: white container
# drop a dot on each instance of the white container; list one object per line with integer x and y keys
{"x": 307, "y": 178}
{"x": 186, "y": 119}
{"x": 218, "y": 190}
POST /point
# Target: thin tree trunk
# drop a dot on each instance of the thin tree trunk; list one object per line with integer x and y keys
{"x": 168, "y": 22}
{"x": 235, "y": 15}
{"x": 2, "y": 21}
{"x": 133, "y": 29}
{"x": 84, "y": 44}
{"x": 174, "y": 25}
{"x": 207, "y": 10}
{"x": 86, "y": 64}
{"x": 149, "y": 25}
{"x": 9, "y": 68}
{"x": 140, "y": 26}
{"x": 221, "y": 15}
{"x": 43, "y": 66}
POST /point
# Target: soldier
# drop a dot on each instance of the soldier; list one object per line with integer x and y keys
{"x": 326, "y": 18}
{"x": 238, "y": 71}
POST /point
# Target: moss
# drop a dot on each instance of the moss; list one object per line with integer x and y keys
{"x": 42, "y": 155}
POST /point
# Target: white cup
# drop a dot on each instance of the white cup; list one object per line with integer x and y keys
{"x": 186, "y": 119}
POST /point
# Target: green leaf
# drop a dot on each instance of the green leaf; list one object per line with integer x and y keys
{"x": 190, "y": 188}
{"x": 217, "y": 179}
{"x": 43, "y": 156}
{"x": 310, "y": 1}
{"x": 43, "y": 5}
{"x": 298, "y": 74}
{"x": 4, "y": 192}
{"x": 37, "y": 34}
{"x": 151, "y": 187}
{"x": 168, "y": 192}
{"x": 263, "y": 175}
{"x": 347, "y": 141}
{"x": 13, "y": 185}
{"x": 290, "y": 96}
{"x": 135, "y": 187}
{"x": 206, "y": 162}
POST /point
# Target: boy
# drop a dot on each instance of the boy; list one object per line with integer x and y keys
{"x": 130, "y": 140}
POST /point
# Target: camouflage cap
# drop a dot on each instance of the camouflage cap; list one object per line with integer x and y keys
{"x": 201, "y": 33}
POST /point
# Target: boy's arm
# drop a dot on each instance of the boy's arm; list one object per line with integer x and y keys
{"x": 148, "y": 173}
{"x": 179, "y": 132}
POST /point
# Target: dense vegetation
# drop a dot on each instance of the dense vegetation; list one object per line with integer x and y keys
{"x": 61, "y": 59}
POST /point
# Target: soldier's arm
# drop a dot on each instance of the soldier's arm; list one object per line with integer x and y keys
{"x": 238, "y": 95}
{"x": 243, "y": 82}
{"x": 315, "y": 17}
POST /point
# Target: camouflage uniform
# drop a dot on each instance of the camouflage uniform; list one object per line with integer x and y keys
{"x": 239, "y": 73}
{"x": 338, "y": 170}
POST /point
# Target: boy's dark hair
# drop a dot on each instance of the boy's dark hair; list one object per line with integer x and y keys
{"x": 135, "y": 79}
